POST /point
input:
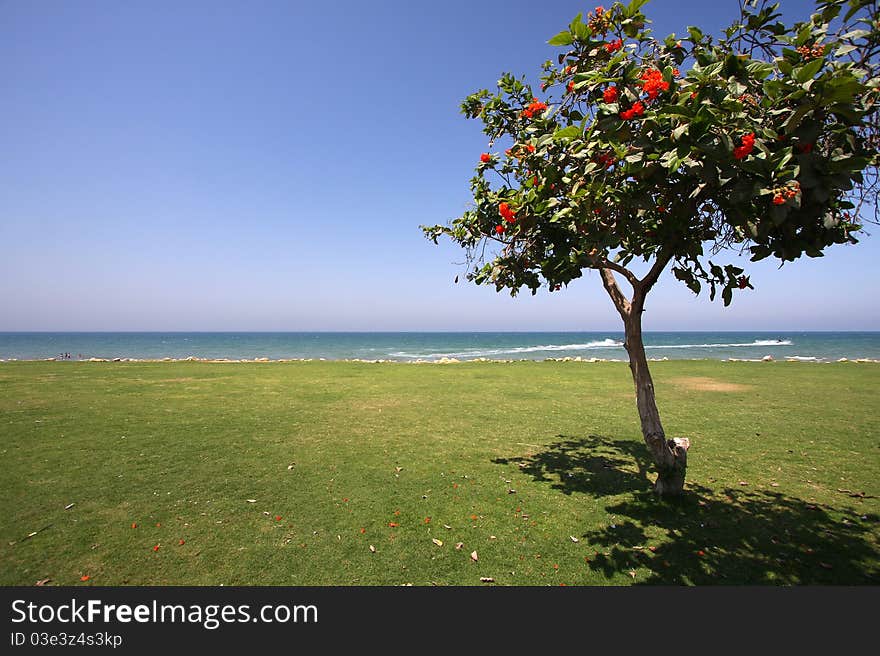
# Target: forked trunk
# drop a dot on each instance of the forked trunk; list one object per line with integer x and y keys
{"x": 670, "y": 456}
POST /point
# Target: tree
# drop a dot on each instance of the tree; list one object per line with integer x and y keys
{"x": 766, "y": 145}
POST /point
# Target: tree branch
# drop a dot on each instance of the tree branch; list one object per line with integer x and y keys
{"x": 603, "y": 263}
{"x": 645, "y": 284}
{"x": 620, "y": 301}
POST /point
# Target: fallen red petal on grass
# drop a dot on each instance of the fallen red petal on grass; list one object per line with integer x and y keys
{"x": 427, "y": 520}
{"x": 396, "y": 512}
{"x": 156, "y": 548}
{"x": 393, "y": 524}
{"x": 158, "y": 525}
{"x": 84, "y": 577}
{"x": 555, "y": 566}
{"x": 344, "y": 499}
{"x": 181, "y": 542}
{"x": 134, "y": 525}
{"x": 652, "y": 548}
{"x": 701, "y": 553}
{"x": 474, "y": 517}
{"x": 277, "y": 518}
{"x": 363, "y": 530}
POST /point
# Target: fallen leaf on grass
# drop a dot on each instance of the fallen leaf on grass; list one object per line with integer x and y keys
{"x": 372, "y": 549}
{"x": 291, "y": 466}
{"x": 632, "y": 573}
{"x": 42, "y": 582}
{"x": 511, "y": 491}
{"x": 774, "y": 484}
{"x": 251, "y": 500}
{"x": 69, "y": 506}
{"x": 458, "y": 546}
{"x": 573, "y": 538}
{"x": 84, "y": 577}
{"x": 439, "y": 543}
{"x": 398, "y": 469}
{"x": 743, "y": 483}
{"x": 487, "y": 579}
{"x": 447, "y": 527}
{"x": 474, "y": 556}
{"x": 826, "y": 566}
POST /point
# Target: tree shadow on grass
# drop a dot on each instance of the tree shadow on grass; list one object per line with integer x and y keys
{"x": 709, "y": 536}
{"x": 593, "y": 465}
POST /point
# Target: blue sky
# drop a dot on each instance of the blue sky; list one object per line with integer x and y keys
{"x": 265, "y": 166}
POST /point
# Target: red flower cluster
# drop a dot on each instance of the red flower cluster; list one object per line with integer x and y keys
{"x": 636, "y": 110}
{"x": 748, "y": 144}
{"x": 610, "y": 94}
{"x": 653, "y": 83}
{"x": 535, "y": 107}
{"x": 787, "y": 192}
{"x": 808, "y": 52}
{"x": 499, "y": 229}
{"x": 570, "y": 86}
{"x": 599, "y": 21}
{"x": 742, "y": 282}
{"x": 606, "y": 159}
{"x": 613, "y": 46}
{"x": 485, "y": 158}
{"x": 506, "y": 213}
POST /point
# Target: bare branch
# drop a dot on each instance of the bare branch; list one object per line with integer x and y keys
{"x": 620, "y": 301}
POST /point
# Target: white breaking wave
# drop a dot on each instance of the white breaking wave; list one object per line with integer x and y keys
{"x": 757, "y": 342}
{"x": 481, "y": 353}
{"x": 601, "y": 344}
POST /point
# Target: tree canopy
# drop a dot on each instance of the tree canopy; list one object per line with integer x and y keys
{"x": 677, "y": 150}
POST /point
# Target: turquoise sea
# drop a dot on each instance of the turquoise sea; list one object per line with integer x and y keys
{"x": 821, "y": 346}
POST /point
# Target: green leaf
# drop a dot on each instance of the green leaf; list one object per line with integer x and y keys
{"x": 796, "y": 117}
{"x": 565, "y": 38}
{"x": 727, "y": 295}
{"x": 570, "y": 132}
{"x": 807, "y": 71}
{"x": 633, "y": 8}
{"x": 760, "y": 69}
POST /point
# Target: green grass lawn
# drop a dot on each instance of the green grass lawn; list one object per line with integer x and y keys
{"x": 357, "y": 469}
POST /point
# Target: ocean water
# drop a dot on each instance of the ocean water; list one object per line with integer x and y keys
{"x": 407, "y": 347}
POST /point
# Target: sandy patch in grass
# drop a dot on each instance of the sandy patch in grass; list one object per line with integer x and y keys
{"x": 703, "y": 384}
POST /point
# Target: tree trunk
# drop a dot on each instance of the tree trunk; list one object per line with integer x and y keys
{"x": 670, "y": 456}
